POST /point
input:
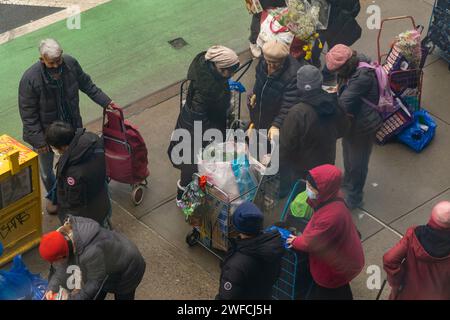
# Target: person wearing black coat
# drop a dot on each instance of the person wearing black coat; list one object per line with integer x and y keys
{"x": 81, "y": 188}
{"x": 275, "y": 89}
{"x": 49, "y": 91}
{"x": 207, "y": 102}
{"x": 99, "y": 261}
{"x": 312, "y": 127}
{"x": 253, "y": 263}
{"x": 354, "y": 84}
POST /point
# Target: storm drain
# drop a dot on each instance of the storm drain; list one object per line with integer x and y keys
{"x": 178, "y": 43}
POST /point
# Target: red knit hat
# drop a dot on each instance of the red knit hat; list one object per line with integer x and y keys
{"x": 53, "y": 246}
{"x": 338, "y": 56}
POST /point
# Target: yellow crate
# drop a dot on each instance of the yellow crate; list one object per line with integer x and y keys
{"x": 20, "y": 199}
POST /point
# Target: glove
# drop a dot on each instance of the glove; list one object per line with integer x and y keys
{"x": 250, "y": 130}
{"x": 273, "y": 131}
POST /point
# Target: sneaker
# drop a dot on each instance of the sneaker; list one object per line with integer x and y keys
{"x": 255, "y": 50}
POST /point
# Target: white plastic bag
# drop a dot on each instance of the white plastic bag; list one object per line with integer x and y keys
{"x": 271, "y": 29}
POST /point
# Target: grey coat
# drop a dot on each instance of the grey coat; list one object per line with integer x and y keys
{"x": 39, "y": 100}
{"x": 107, "y": 260}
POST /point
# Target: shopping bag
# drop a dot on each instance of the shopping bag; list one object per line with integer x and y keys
{"x": 245, "y": 180}
{"x": 253, "y": 6}
{"x": 300, "y": 208}
{"x": 420, "y": 133}
{"x": 20, "y": 284}
{"x": 271, "y": 29}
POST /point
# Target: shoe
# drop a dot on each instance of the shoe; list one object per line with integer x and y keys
{"x": 353, "y": 205}
{"x": 255, "y": 50}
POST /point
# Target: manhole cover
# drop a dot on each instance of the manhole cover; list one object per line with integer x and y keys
{"x": 178, "y": 43}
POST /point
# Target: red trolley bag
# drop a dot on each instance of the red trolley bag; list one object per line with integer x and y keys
{"x": 125, "y": 153}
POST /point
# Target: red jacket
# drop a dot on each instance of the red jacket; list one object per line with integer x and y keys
{"x": 421, "y": 275}
{"x": 335, "y": 252}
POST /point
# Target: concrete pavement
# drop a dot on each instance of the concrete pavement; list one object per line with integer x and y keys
{"x": 401, "y": 188}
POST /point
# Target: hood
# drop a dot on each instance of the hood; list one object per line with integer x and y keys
{"x": 204, "y": 75}
{"x": 267, "y": 246}
{"x": 328, "y": 179}
{"x": 323, "y": 103}
{"x": 431, "y": 244}
{"x": 83, "y": 145}
{"x": 84, "y": 231}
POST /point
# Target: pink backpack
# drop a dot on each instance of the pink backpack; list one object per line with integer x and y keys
{"x": 386, "y": 104}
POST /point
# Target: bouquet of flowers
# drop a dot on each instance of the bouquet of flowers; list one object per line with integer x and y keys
{"x": 408, "y": 43}
{"x": 302, "y": 19}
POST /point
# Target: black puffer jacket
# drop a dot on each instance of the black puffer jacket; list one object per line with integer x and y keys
{"x": 81, "y": 179}
{"x": 275, "y": 94}
{"x": 272, "y": 3}
{"x": 107, "y": 260}
{"x": 361, "y": 84}
{"x": 251, "y": 268}
{"x": 309, "y": 133}
{"x": 39, "y": 100}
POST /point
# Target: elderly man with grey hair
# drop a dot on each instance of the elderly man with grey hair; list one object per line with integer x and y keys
{"x": 49, "y": 91}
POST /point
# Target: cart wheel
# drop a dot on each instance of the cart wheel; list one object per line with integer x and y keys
{"x": 137, "y": 195}
{"x": 192, "y": 237}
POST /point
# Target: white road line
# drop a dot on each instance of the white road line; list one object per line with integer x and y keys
{"x": 382, "y": 223}
{"x": 48, "y": 20}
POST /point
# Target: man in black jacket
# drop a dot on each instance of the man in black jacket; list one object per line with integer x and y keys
{"x": 275, "y": 89}
{"x": 253, "y": 264}
{"x": 49, "y": 91}
{"x": 309, "y": 133}
{"x": 81, "y": 188}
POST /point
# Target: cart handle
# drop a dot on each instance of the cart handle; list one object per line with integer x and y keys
{"x": 381, "y": 29}
{"x": 114, "y": 109}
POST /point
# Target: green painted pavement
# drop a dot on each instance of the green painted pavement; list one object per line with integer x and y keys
{"x": 124, "y": 46}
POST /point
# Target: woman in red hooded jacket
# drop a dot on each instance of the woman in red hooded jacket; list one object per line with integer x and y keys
{"x": 330, "y": 238}
{"x": 418, "y": 267}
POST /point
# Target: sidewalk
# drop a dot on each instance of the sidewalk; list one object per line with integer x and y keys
{"x": 401, "y": 188}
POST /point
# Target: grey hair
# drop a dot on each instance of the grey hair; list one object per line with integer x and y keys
{"x": 50, "y": 48}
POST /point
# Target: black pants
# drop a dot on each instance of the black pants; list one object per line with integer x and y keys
{"x": 357, "y": 151}
{"x": 255, "y": 27}
{"x": 117, "y": 296}
{"x": 320, "y": 293}
{"x": 328, "y": 76}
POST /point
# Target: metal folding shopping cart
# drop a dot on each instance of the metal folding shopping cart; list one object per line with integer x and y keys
{"x": 439, "y": 29}
{"x": 289, "y": 286}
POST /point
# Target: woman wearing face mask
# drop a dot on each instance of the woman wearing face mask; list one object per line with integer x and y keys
{"x": 330, "y": 238}
{"x": 207, "y": 103}
{"x": 81, "y": 188}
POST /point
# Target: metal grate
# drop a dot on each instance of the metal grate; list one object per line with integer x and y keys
{"x": 178, "y": 43}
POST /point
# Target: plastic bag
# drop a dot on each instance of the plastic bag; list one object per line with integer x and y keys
{"x": 244, "y": 179}
{"x": 271, "y": 29}
{"x": 420, "y": 133}
{"x": 21, "y": 284}
{"x": 300, "y": 208}
{"x": 283, "y": 232}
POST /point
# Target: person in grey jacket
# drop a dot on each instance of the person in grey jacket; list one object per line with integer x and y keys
{"x": 49, "y": 91}
{"x": 354, "y": 84}
{"x": 91, "y": 261}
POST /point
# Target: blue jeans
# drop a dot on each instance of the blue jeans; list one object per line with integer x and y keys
{"x": 46, "y": 170}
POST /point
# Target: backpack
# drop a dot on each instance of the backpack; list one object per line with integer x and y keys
{"x": 386, "y": 103}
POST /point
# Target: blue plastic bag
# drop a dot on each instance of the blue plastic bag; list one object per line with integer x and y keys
{"x": 236, "y": 86}
{"x": 246, "y": 183}
{"x": 20, "y": 284}
{"x": 420, "y": 133}
{"x": 284, "y": 234}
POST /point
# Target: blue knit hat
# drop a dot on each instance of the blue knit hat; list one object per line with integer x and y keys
{"x": 248, "y": 219}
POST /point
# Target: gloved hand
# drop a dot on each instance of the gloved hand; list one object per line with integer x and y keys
{"x": 250, "y": 130}
{"x": 273, "y": 131}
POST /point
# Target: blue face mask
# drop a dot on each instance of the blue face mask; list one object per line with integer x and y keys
{"x": 311, "y": 194}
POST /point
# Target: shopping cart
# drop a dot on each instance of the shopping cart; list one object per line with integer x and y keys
{"x": 439, "y": 29}
{"x": 405, "y": 84}
{"x": 290, "y": 286}
{"x": 211, "y": 221}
